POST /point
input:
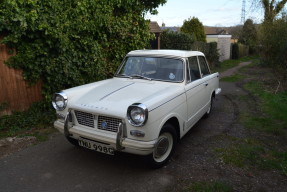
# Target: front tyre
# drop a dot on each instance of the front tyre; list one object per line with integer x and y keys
{"x": 164, "y": 148}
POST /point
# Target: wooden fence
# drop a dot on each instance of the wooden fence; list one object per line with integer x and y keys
{"x": 15, "y": 92}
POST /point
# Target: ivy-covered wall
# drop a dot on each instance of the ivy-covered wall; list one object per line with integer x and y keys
{"x": 66, "y": 43}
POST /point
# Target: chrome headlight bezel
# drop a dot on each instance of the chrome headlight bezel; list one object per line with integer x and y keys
{"x": 137, "y": 109}
{"x": 60, "y": 97}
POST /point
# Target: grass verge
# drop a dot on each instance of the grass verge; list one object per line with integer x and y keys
{"x": 209, "y": 187}
{"x": 37, "y": 121}
{"x": 273, "y": 110}
{"x": 232, "y": 78}
{"x": 266, "y": 147}
{"x": 252, "y": 153}
{"x": 223, "y": 66}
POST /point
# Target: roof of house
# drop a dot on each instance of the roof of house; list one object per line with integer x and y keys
{"x": 154, "y": 27}
{"x": 174, "y": 29}
{"x": 165, "y": 52}
{"x": 215, "y": 31}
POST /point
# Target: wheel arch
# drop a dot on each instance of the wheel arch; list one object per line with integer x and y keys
{"x": 175, "y": 122}
{"x": 213, "y": 94}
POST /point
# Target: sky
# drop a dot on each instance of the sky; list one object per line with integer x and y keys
{"x": 209, "y": 12}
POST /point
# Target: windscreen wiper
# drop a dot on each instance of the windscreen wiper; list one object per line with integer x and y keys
{"x": 139, "y": 77}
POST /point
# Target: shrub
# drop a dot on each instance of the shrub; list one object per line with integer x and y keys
{"x": 209, "y": 49}
{"x": 176, "y": 40}
{"x": 239, "y": 50}
{"x": 274, "y": 44}
{"x": 183, "y": 41}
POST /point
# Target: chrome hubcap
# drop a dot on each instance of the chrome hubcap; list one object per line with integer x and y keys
{"x": 161, "y": 147}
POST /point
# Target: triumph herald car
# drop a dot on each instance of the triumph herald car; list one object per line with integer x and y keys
{"x": 154, "y": 99}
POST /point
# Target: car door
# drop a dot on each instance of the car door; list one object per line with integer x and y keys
{"x": 206, "y": 79}
{"x": 195, "y": 92}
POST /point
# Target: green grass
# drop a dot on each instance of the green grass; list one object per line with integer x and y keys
{"x": 273, "y": 110}
{"x": 223, "y": 66}
{"x": 209, "y": 187}
{"x": 250, "y": 153}
{"x": 268, "y": 120}
{"x": 232, "y": 78}
{"x": 34, "y": 122}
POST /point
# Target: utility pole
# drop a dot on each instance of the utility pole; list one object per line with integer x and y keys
{"x": 243, "y": 12}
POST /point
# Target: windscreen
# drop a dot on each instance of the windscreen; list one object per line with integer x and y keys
{"x": 153, "y": 68}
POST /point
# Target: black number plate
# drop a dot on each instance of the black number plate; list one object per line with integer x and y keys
{"x": 96, "y": 146}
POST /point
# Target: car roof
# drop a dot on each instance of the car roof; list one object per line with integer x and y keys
{"x": 165, "y": 52}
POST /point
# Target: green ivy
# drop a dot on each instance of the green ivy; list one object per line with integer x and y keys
{"x": 65, "y": 43}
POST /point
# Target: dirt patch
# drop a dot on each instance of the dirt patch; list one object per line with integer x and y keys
{"x": 11, "y": 145}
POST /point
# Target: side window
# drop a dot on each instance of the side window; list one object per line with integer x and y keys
{"x": 203, "y": 66}
{"x": 193, "y": 68}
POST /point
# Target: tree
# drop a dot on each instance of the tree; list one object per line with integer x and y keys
{"x": 248, "y": 34}
{"x": 65, "y": 43}
{"x": 272, "y": 9}
{"x": 274, "y": 45}
{"x": 195, "y": 28}
{"x": 235, "y": 31}
{"x": 175, "y": 40}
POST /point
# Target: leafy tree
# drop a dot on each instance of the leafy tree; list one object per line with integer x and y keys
{"x": 194, "y": 27}
{"x": 248, "y": 34}
{"x": 272, "y": 9}
{"x": 274, "y": 45}
{"x": 175, "y": 40}
{"x": 235, "y": 31}
{"x": 65, "y": 43}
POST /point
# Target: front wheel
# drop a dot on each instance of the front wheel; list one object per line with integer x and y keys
{"x": 164, "y": 148}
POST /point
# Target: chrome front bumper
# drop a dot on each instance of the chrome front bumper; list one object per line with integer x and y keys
{"x": 118, "y": 141}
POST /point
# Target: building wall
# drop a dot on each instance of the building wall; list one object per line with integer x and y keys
{"x": 223, "y": 45}
{"x": 211, "y": 39}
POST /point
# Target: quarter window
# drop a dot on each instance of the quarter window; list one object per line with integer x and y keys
{"x": 203, "y": 66}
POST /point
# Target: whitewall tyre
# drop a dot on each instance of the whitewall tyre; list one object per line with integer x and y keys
{"x": 210, "y": 107}
{"x": 165, "y": 147}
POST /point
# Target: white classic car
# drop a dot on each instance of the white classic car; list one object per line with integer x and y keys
{"x": 153, "y": 100}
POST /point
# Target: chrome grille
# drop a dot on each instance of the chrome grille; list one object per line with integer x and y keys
{"x": 108, "y": 123}
{"x": 86, "y": 119}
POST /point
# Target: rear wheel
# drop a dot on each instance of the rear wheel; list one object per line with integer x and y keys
{"x": 165, "y": 147}
{"x": 210, "y": 107}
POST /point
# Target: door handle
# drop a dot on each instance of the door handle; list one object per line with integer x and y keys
{"x": 206, "y": 84}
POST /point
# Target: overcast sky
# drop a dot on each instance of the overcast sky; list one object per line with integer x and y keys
{"x": 209, "y": 12}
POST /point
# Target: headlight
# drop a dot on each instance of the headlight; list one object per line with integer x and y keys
{"x": 60, "y": 101}
{"x": 137, "y": 114}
